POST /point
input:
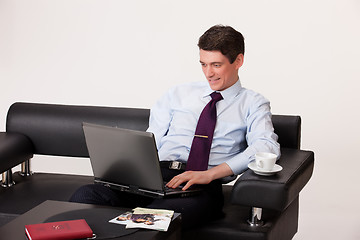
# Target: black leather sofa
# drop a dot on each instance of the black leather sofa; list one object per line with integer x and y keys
{"x": 257, "y": 207}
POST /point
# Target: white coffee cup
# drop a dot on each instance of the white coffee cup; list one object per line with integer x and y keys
{"x": 265, "y": 161}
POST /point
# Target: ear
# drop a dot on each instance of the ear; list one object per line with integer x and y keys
{"x": 239, "y": 61}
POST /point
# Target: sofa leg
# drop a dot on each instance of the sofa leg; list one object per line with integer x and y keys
{"x": 7, "y": 179}
{"x": 255, "y": 217}
{"x": 25, "y": 168}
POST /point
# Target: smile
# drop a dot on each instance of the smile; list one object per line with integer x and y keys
{"x": 214, "y": 80}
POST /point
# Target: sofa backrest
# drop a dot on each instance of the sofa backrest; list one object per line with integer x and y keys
{"x": 57, "y": 129}
{"x": 288, "y": 128}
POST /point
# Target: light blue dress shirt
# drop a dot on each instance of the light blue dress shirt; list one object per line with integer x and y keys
{"x": 243, "y": 124}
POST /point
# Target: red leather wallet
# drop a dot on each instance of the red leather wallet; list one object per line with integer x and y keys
{"x": 73, "y": 229}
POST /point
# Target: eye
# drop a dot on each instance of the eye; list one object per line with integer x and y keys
{"x": 217, "y": 65}
{"x": 203, "y": 64}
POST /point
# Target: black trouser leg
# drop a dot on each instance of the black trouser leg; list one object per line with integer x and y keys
{"x": 195, "y": 209}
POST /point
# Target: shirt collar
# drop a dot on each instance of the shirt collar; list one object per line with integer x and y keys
{"x": 228, "y": 94}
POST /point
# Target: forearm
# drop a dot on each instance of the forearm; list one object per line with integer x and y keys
{"x": 220, "y": 171}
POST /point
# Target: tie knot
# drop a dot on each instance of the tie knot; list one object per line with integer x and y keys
{"x": 216, "y": 96}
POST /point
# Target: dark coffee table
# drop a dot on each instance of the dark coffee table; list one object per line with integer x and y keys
{"x": 51, "y": 210}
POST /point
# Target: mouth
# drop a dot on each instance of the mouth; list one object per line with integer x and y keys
{"x": 213, "y": 80}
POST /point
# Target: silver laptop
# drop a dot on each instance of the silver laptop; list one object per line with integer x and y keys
{"x": 127, "y": 160}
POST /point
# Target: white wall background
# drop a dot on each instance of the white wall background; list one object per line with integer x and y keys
{"x": 302, "y": 55}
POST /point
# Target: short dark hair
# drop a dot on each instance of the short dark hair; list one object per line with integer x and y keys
{"x": 224, "y": 39}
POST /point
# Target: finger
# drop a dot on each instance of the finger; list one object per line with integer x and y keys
{"x": 187, "y": 185}
{"x": 175, "y": 182}
{"x": 171, "y": 183}
{"x": 178, "y": 182}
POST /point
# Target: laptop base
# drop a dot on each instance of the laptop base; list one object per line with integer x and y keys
{"x": 169, "y": 192}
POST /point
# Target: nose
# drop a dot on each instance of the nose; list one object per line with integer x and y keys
{"x": 208, "y": 71}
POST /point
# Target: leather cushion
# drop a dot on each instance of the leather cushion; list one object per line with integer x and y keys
{"x": 57, "y": 129}
{"x": 14, "y": 149}
{"x": 278, "y": 191}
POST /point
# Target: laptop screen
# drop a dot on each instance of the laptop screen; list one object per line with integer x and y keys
{"x": 124, "y": 157}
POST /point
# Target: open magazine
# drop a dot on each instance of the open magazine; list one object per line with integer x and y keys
{"x": 156, "y": 219}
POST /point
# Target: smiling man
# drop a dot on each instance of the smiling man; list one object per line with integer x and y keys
{"x": 243, "y": 124}
{"x": 214, "y": 127}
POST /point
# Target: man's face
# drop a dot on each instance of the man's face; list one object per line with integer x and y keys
{"x": 218, "y": 70}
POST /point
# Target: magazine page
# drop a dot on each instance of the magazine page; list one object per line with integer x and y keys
{"x": 123, "y": 218}
{"x": 156, "y": 219}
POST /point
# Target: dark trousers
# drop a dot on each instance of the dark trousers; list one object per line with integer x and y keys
{"x": 195, "y": 210}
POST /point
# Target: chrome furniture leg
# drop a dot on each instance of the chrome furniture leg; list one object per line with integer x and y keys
{"x": 7, "y": 179}
{"x": 25, "y": 168}
{"x": 255, "y": 218}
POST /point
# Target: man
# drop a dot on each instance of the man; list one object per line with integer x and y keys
{"x": 242, "y": 127}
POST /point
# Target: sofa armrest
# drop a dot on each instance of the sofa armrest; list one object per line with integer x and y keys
{"x": 278, "y": 191}
{"x": 15, "y": 148}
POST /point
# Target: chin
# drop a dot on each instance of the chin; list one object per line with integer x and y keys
{"x": 215, "y": 87}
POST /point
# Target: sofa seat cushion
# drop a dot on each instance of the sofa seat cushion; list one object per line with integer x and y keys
{"x": 30, "y": 191}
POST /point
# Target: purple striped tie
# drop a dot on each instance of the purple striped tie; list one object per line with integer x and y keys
{"x": 200, "y": 149}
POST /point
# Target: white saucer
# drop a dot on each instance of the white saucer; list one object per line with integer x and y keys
{"x": 276, "y": 169}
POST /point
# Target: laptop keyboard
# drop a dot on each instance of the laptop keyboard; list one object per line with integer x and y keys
{"x": 168, "y": 189}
